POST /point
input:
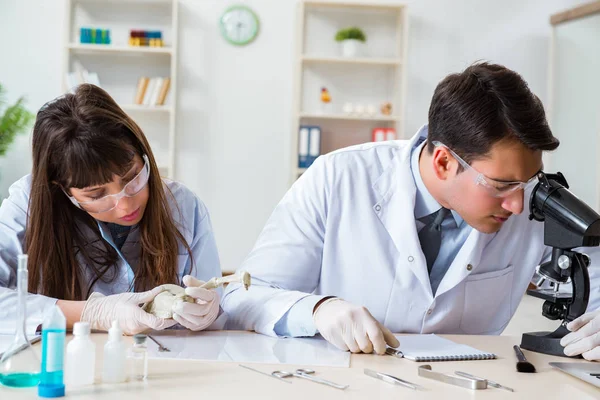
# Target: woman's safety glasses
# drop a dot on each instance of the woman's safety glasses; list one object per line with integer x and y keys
{"x": 109, "y": 202}
{"x": 493, "y": 187}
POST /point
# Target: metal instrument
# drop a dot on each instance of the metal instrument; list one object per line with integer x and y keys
{"x": 307, "y": 374}
{"x": 490, "y": 383}
{"x": 264, "y": 373}
{"x": 391, "y": 379}
{"x": 161, "y": 348}
{"x": 468, "y": 383}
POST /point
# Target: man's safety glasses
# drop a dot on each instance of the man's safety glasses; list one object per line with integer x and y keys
{"x": 493, "y": 187}
{"x": 109, "y": 202}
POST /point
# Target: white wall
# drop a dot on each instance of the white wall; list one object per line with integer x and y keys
{"x": 234, "y": 106}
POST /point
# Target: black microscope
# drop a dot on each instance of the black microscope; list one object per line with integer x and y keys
{"x": 568, "y": 223}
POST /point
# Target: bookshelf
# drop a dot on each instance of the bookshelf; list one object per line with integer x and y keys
{"x": 119, "y": 65}
{"x": 375, "y": 77}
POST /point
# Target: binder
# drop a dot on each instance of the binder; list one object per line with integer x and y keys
{"x": 303, "y": 147}
{"x": 390, "y": 134}
{"x": 314, "y": 144}
{"x": 378, "y": 134}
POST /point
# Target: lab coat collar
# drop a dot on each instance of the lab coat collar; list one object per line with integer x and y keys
{"x": 394, "y": 207}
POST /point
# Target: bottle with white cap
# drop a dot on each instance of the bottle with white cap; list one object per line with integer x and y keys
{"x": 81, "y": 357}
{"x": 115, "y": 356}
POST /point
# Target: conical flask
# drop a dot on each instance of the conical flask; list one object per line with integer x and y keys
{"x": 20, "y": 365}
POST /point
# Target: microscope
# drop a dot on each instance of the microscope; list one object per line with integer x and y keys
{"x": 568, "y": 223}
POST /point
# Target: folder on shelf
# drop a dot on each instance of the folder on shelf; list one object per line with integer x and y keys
{"x": 303, "y": 147}
{"x": 141, "y": 89}
{"x": 379, "y": 134}
{"x": 390, "y": 134}
{"x": 314, "y": 144}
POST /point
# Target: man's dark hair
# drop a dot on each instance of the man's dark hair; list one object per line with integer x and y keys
{"x": 486, "y": 103}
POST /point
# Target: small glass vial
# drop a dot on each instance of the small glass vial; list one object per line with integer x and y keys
{"x": 139, "y": 358}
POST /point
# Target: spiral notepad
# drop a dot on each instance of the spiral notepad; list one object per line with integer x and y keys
{"x": 429, "y": 348}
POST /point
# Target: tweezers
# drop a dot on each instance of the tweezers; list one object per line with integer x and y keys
{"x": 468, "y": 383}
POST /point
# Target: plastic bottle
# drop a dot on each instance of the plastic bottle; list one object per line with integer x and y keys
{"x": 139, "y": 358}
{"x": 81, "y": 357}
{"x": 54, "y": 330}
{"x": 115, "y": 356}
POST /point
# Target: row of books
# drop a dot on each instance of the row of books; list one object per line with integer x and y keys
{"x": 309, "y": 145}
{"x": 152, "y": 91}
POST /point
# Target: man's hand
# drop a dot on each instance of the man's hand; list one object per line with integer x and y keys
{"x": 351, "y": 327}
{"x": 584, "y": 338}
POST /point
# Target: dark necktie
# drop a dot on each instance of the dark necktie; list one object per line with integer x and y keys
{"x": 430, "y": 235}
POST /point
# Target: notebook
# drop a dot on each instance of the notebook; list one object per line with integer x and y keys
{"x": 431, "y": 347}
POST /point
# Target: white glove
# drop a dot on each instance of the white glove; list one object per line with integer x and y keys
{"x": 203, "y": 311}
{"x": 584, "y": 338}
{"x": 100, "y": 310}
{"x": 351, "y": 327}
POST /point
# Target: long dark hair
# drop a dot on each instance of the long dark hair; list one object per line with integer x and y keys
{"x": 80, "y": 140}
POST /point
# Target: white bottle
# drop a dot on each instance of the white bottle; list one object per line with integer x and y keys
{"x": 115, "y": 356}
{"x": 81, "y": 357}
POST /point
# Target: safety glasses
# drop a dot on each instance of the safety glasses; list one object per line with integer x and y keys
{"x": 109, "y": 202}
{"x": 493, "y": 187}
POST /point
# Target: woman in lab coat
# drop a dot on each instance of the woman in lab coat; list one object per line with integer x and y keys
{"x": 342, "y": 253}
{"x": 102, "y": 230}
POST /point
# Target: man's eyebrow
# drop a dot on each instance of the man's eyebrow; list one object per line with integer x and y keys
{"x": 513, "y": 181}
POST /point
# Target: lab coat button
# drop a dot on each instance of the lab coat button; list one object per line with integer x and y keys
{"x": 469, "y": 267}
{"x": 410, "y": 259}
{"x": 429, "y": 311}
{"x": 377, "y": 208}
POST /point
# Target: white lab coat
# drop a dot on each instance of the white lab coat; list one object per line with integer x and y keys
{"x": 347, "y": 228}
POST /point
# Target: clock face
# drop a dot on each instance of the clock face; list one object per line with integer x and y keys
{"x": 239, "y": 25}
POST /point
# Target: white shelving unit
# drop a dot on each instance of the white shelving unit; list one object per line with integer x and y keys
{"x": 119, "y": 66}
{"x": 376, "y": 77}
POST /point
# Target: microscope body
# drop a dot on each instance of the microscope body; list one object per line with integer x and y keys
{"x": 568, "y": 223}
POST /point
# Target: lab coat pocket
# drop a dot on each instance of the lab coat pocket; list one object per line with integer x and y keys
{"x": 487, "y": 301}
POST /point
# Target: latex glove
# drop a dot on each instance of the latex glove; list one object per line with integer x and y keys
{"x": 100, "y": 310}
{"x": 351, "y": 327}
{"x": 584, "y": 338}
{"x": 203, "y": 311}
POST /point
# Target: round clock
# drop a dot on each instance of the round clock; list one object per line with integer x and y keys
{"x": 239, "y": 25}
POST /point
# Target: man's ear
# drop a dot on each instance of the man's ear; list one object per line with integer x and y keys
{"x": 442, "y": 163}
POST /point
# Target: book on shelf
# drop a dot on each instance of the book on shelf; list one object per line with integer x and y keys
{"x": 152, "y": 91}
{"x": 141, "y": 90}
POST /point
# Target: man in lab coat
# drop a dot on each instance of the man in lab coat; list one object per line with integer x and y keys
{"x": 421, "y": 235}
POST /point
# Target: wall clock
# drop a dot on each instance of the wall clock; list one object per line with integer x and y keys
{"x": 239, "y": 25}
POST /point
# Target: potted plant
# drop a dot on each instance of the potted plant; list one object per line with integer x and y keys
{"x": 351, "y": 40}
{"x": 14, "y": 119}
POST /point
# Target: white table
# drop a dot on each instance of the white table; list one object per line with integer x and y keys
{"x": 199, "y": 380}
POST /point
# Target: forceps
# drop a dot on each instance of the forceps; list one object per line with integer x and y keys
{"x": 161, "y": 348}
{"x": 307, "y": 374}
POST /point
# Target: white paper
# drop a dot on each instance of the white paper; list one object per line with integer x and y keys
{"x": 7, "y": 340}
{"x": 246, "y": 347}
{"x": 414, "y": 346}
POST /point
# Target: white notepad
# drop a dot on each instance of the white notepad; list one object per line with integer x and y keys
{"x": 431, "y": 347}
